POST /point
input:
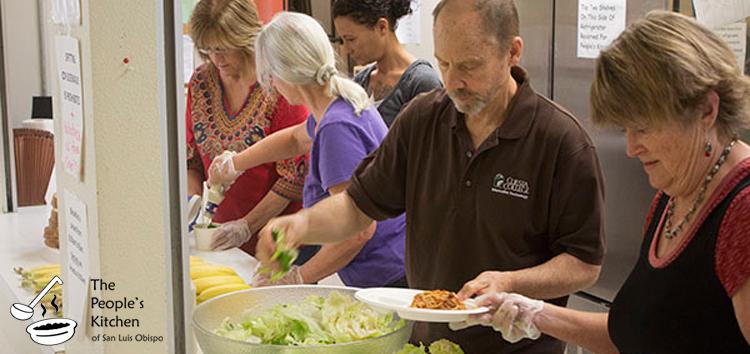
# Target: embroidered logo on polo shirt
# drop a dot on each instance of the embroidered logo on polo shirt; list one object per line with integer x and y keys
{"x": 513, "y": 187}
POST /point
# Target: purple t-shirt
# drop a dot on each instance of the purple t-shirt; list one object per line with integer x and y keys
{"x": 341, "y": 141}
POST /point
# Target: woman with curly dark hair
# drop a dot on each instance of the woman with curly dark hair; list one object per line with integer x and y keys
{"x": 368, "y": 31}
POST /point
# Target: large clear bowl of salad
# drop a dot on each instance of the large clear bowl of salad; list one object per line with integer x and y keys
{"x": 296, "y": 319}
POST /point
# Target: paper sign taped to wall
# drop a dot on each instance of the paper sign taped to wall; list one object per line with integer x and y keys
{"x": 77, "y": 283}
{"x": 715, "y": 13}
{"x": 736, "y": 36}
{"x": 599, "y": 23}
{"x": 66, "y": 12}
{"x": 188, "y": 59}
{"x": 68, "y": 59}
{"x": 408, "y": 30}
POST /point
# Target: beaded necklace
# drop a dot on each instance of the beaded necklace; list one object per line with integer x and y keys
{"x": 670, "y": 232}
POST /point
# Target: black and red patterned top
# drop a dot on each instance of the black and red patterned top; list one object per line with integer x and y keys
{"x": 681, "y": 302}
{"x": 212, "y": 128}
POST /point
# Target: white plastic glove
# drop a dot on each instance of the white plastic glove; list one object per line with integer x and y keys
{"x": 293, "y": 277}
{"x": 231, "y": 234}
{"x": 222, "y": 171}
{"x": 510, "y": 314}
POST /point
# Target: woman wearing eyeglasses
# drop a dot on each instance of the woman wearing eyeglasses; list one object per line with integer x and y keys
{"x": 675, "y": 88}
{"x": 228, "y": 110}
{"x": 295, "y": 58}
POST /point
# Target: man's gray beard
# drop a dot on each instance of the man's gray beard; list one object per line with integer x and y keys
{"x": 472, "y": 108}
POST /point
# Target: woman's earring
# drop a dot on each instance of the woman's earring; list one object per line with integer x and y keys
{"x": 707, "y": 149}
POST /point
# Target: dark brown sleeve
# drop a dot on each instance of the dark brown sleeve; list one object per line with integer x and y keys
{"x": 378, "y": 185}
{"x": 577, "y": 207}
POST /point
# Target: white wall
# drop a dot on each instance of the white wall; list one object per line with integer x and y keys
{"x": 425, "y": 48}
{"x": 3, "y": 195}
{"x": 123, "y": 184}
{"x": 23, "y": 68}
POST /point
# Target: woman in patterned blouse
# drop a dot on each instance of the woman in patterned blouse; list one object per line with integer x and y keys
{"x": 294, "y": 57}
{"x": 228, "y": 110}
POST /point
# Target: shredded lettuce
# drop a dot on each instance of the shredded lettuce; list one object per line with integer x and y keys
{"x": 283, "y": 255}
{"x": 337, "y": 318}
{"x": 442, "y": 346}
{"x": 412, "y": 349}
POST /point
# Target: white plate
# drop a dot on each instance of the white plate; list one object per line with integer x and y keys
{"x": 398, "y": 300}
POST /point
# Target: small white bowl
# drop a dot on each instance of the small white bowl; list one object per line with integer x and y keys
{"x": 203, "y": 236}
{"x": 52, "y": 331}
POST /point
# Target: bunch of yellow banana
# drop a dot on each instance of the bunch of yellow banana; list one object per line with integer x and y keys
{"x": 35, "y": 279}
{"x": 212, "y": 280}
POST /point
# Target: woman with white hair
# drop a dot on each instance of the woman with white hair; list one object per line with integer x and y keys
{"x": 295, "y": 58}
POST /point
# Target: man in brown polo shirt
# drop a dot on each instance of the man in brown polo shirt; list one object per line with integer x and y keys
{"x": 501, "y": 187}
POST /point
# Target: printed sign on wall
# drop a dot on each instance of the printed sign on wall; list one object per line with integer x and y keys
{"x": 599, "y": 23}
{"x": 715, "y": 13}
{"x": 66, "y": 12}
{"x": 76, "y": 227}
{"x": 736, "y": 36}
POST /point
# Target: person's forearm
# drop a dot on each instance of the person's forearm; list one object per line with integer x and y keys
{"x": 562, "y": 275}
{"x": 195, "y": 182}
{"x": 331, "y": 258}
{"x": 269, "y": 207}
{"x": 333, "y": 219}
{"x": 586, "y": 329}
{"x": 284, "y": 144}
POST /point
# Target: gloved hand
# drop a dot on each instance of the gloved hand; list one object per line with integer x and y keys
{"x": 293, "y": 277}
{"x": 510, "y": 314}
{"x": 222, "y": 171}
{"x": 231, "y": 234}
{"x": 293, "y": 227}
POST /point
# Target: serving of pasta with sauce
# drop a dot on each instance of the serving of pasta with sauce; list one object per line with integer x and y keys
{"x": 437, "y": 300}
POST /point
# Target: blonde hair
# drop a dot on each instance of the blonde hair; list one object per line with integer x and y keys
{"x": 295, "y": 49}
{"x": 232, "y": 24}
{"x": 663, "y": 66}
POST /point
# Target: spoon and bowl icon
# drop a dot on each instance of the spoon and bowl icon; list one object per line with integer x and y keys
{"x": 51, "y": 331}
{"x": 24, "y": 312}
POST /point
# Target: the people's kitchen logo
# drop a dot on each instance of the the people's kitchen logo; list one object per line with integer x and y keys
{"x": 513, "y": 187}
{"x": 50, "y": 331}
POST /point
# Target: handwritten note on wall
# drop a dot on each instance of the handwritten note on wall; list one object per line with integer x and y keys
{"x": 599, "y": 23}
{"x": 70, "y": 95}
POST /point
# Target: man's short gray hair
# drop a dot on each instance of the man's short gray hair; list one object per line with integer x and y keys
{"x": 499, "y": 18}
